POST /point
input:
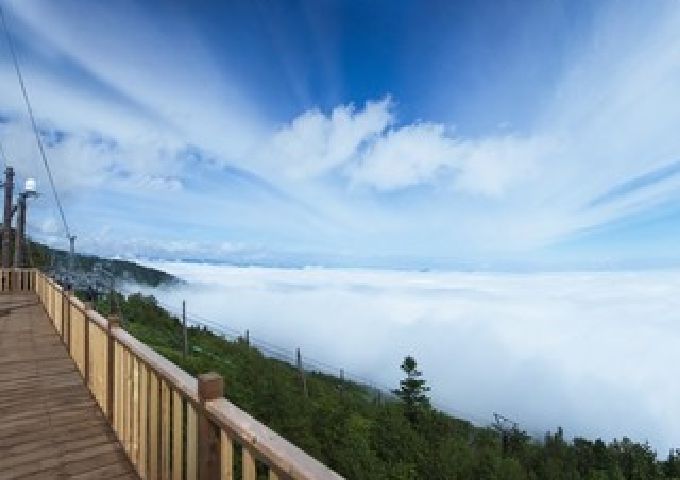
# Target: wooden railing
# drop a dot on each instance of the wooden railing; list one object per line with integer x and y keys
{"x": 17, "y": 280}
{"x": 171, "y": 425}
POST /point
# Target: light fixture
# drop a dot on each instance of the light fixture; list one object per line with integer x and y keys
{"x": 30, "y": 186}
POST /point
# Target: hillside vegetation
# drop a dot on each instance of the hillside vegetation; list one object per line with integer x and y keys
{"x": 44, "y": 257}
{"x": 363, "y": 437}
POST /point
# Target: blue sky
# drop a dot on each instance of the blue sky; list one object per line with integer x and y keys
{"x": 360, "y": 133}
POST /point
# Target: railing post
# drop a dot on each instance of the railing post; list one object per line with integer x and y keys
{"x": 210, "y": 387}
{"x": 64, "y": 308}
{"x": 87, "y": 306}
{"x": 114, "y": 322}
{"x": 66, "y": 321}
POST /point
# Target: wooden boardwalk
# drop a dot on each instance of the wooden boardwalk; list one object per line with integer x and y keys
{"x": 50, "y": 426}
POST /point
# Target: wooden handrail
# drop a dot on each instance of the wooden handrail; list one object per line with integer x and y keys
{"x": 267, "y": 444}
{"x": 155, "y": 407}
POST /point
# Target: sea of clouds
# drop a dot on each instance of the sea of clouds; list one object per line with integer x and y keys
{"x": 596, "y": 353}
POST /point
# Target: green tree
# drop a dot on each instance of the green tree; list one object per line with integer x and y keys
{"x": 672, "y": 465}
{"x": 412, "y": 389}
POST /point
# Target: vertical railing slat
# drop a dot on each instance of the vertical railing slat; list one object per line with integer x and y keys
{"x": 102, "y": 369}
{"x": 116, "y": 388}
{"x": 119, "y": 389}
{"x": 143, "y": 420}
{"x": 125, "y": 404}
{"x": 248, "y": 464}
{"x": 129, "y": 423}
{"x": 166, "y": 440}
{"x": 87, "y": 374}
{"x": 154, "y": 430}
{"x": 192, "y": 443}
{"x": 58, "y": 311}
{"x": 177, "y": 436}
{"x": 97, "y": 364}
{"x": 134, "y": 405}
{"x": 226, "y": 457}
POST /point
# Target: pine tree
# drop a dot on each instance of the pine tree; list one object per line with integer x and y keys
{"x": 413, "y": 389}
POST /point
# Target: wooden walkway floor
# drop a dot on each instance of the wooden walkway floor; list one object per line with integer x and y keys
{"x": 50, "y": 427}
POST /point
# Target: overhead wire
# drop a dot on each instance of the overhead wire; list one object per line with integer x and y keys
{"x": 36, "y": 131}
{"x": 3, "y": 157}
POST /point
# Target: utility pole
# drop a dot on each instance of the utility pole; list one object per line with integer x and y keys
{"x": 112, "y": 294}
{"x": 71, "y": 240}
{"x": 301, "y": 371}
{"x": 185, "y": 352}
{"x": 7, "y": 219}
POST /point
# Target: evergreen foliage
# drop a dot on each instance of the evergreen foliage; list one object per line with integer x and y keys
{"x": 413, "y": 390}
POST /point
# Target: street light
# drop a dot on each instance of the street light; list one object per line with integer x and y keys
{"x": 8, "y": 186}
{"x": 30, "y": 187}
{"x": 20, "y": 240}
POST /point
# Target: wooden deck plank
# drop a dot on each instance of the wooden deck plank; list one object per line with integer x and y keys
{"x": 50, "y": 425}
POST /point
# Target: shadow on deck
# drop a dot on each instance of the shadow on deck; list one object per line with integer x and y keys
{"x": 50, "y": 426}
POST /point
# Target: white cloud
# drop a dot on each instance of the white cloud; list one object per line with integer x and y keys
{"x": 424, "y": 153}
{"x": 592, "y": 352}
{"x": 158, "y": 183}
{"x": 365, "y": 147}
{"x": 410, "y": 155}
{"x": 313, "y": 143}
{"x": 83, "y": 159}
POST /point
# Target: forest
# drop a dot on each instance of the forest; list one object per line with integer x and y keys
{"x": 363, "y": 436}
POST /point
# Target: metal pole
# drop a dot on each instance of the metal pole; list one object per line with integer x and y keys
{"x": 184, "y": 328}
{"x": 7, "y": 219}
{"x": 71, "y": 240}
{"x": 112, "y": 293}
{"x": 20, "y": 232}
{"x": 301, "y": 370}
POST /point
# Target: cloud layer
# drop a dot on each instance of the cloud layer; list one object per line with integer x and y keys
{"x": 592, "y": 352}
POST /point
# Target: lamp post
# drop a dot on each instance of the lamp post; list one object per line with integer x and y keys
{"x": 20, "y": 238}
{"x": 7, "y": 218}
